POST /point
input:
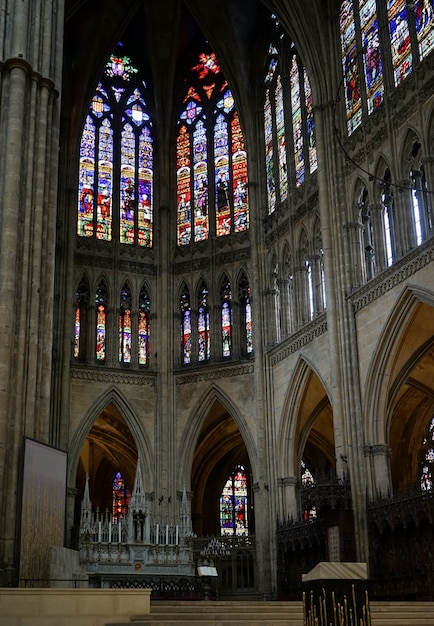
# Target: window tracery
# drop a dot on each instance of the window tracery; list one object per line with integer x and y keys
{"x": 289, "y": 156}
{"x": 211, "y": 159}
{"x": 117, "y": 130}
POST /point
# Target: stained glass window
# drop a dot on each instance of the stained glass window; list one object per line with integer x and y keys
{"x": 101, "y": 322}
{"x": 80, "y": 322}
{"x": 269, "y": 153}
{"x": 310, "y": 123}
{"x": 372, "y": 56}
{"x": 211, "y": 160}
{"x": 226, "y": 318}
{"x": 353, "y": 102}
{"x": 307, "y": 480}
{"x": 144, "y": 329}
{"x": 233, "y": 504}
{"x": 203, "y": 328}
{"x": 117, "y": 130}
{"x": 402, "y": 58}
{"x": 297, "y": 126}
{"x": 426, "y": 467}
{"x": 186, "y": 329}
{"x": 125, "y": 326}
{"x": 424, "y": 16}
{"x": 410, "y": 26}
{"x": 246, "y": 314}
{"x": 289, "y": 157}
{"x": 121, "y": 498}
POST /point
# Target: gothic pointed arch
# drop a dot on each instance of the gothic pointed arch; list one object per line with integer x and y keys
{"x": 307, "y": 414}
{"x": 111, "y": 397}
{"x": 194, "y": 423}
{"x": 213, "y": 444}
{"x": 393, "y": 349}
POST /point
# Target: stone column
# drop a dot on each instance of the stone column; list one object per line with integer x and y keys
{"x": 355, "y": 237}
{"x": 288, "y": 499}
{"x": 428, "y": 166}
{"x": 378, "y": 456}
{"x": 30, "y": 75}
{"x": 376, "y": 211}
{"x": 404, "y": 224}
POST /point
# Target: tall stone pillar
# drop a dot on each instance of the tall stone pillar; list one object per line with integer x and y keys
{"x": 30, "y": 74}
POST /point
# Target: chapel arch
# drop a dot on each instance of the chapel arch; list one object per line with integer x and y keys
{"x": 400, "y": 384}
{"x": 109, "y": 440}
{"x": 217, "y": 442}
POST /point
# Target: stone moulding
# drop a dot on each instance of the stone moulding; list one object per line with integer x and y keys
{"x": 310, "y": 332}
{"x": 213, "y": 374}
{"x": 112, "y": 377}
{"x": 413, "y": 262}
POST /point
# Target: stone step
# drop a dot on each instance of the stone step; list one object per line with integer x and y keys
{"x": 221, "y": 613}
{"x": 254, "y": 613}
{"x": 402, "y": 613}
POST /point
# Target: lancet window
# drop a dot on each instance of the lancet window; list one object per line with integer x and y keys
{"x": 234, "y": 504}
{"x": 186, "y": 325}
{"x": 115, "y": 191}
{"x": 226, "y": 317}
{"x": 144, "y": 327}
{"x": 82, "y": 301}
{"x": 246, "y": 315}
{"x": 125, "y": 326}
{"x": 121, "y": 497}
{"x": 376, "y": 33}
{"x": 211, "y": 159}
{"x": 101, "y": 302}
{"x": 289, "y": 128}
{"x": 203, "y": 324}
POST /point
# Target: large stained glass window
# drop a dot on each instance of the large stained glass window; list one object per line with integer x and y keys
{"x": 290, "y": 155}
{"x": 363, "y": 23}
{"x": 115, "y": 195}
{"x": 211, "y": 159}
{"x": 426, "y": 467}
{"x": 121, "y": 498}
{"x": 233, "y": 504}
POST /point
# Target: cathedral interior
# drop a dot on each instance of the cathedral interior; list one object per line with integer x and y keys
{"x": 217, "y": 266}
